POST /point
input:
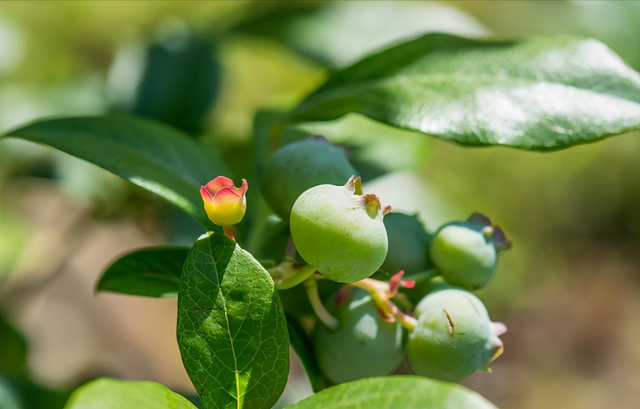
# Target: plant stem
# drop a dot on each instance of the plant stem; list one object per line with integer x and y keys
{"x": 371, "y": 285}
{"x": 228, "y": 231}
{"x": 381, "y": 293}
{"x": 407, "y": 321}
{"x": 314, "y": 298}
{"x": 298, "y": 277}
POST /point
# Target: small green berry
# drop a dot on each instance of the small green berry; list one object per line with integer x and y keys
{"x": 298, "y": 166}
{"x": 408, "y": 244}
{"x": 453, "y": 337}
{"x": 466, "y": 253}
{"x": 364, "y": 345}
{"x": 339, "y": 232}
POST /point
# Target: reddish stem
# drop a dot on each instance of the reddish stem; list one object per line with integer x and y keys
{"x": 228, "y": 231}
{"x": 382, "y": 292}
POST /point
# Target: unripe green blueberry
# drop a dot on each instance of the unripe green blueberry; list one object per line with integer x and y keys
{"x": 408, "y": 244}
{"x": 464, "y": 254}
{"x": 453, "y": 337}
{"x": 298, "y": 166}
{"x": 339, "y": 232}
{"x": 364, "y": 345}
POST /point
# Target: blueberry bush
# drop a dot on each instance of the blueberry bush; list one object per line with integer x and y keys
{"x": 300, "y": 255}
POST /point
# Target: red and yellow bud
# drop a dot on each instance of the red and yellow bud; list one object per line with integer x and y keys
{"x": 224, "y": 203}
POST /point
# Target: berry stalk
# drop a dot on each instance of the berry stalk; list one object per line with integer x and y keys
{"x": 382, "y": 292}
{"x": 314, "y": 298}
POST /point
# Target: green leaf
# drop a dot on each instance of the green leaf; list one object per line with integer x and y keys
{"x": 269, "y": 240}
{"x": 590, "y": 19}
{"x": 180, "y": 82}
{"x": 339, "y": 33}
{"x": 9, "y": 398}
{"x": 273, "y": 19}
{"x": 301, "y": 344}
{"x": 374, "y": 148}
{"x": 266, "y": 133}
{"x": 106, "y": 393}
{"x": 13, "y": 350}
{"x": 153, "y": 156}
{"x": 21, "y": 393}
{"x": 536, "y": 94}
{"x": 232, "y": 331}
{"x": 395, "y": 392}
{"x": 153, "y": 272}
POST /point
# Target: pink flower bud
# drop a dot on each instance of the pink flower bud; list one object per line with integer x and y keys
{"x": 224, "y": 203}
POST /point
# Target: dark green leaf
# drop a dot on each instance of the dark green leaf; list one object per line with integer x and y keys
{"x": 106, "y": 393}
{"x": 155, "y": 157}
{"x": 267, "y": 236}
{"x": 270, "y": 239}
{"x": 180, "y": 82}
{"x": 273, "y": 19}
{"x": 13, "y": 350}
{"x": 395, "y": 392}
{"x": 301, "y": 344}
{"x": 22, "y": 393}
{"x": 195, "y": 399}
{"x": 232, "y": 331}
{"x": 153, "y": 272}
{"x": 537, "y": 94}
{"x": 266, "y": 133}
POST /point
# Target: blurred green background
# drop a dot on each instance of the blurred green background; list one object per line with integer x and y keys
{"x": 569, "y": 291}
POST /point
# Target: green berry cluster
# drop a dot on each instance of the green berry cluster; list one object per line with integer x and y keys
{"x": 369, "y": 326}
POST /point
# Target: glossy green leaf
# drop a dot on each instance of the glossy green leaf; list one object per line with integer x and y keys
{"x": 232, "y": 330}
{"x": 153, "y": 156}
{"x": 152, "y": 272}
{"x": 301, "y": 344}
{"x": 615, "y": 23}
{"x": 106, "y": 393}
{"x": 395, "y": 392}
{"x": 536, "y": 94}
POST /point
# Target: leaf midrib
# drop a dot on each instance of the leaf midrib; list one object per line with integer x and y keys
{"x": 165, "y": 277}
{"x": 226, "y": 318}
